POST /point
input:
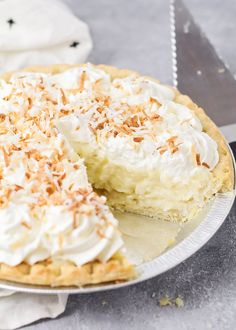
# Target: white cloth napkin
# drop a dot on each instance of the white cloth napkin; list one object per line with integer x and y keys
{"x": 40, "y": 32}
{"x": 37, "y": 32}
{"x": 19, "y": 309}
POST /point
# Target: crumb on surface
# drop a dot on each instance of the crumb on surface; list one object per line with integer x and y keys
{"x": 165, "y": 301}
{"x": 104, "y": 302}
{"x": 179, "y": 302}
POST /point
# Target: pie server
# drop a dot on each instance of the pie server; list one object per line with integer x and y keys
{"x": 200, "y": 73}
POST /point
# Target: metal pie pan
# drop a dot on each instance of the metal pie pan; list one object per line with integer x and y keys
{"x": 190, "y": 242}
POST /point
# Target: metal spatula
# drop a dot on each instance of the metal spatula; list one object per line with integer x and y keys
{"x": 200, "y": 73}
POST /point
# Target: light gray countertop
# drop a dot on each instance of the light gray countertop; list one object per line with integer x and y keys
{"x": 135, "y": 34}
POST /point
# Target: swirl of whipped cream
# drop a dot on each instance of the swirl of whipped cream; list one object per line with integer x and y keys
{"x": 80, "y": 240}
{"x": 20, "y": 235}
{"x": 69, "y": 79}
{"x": 138, "y": 90}
{"x": 53, "y": 232}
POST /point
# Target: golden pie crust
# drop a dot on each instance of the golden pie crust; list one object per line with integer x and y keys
{"x": 63, "y": 273}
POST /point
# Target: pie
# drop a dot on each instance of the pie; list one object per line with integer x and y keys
{"x": 70, "y": 135}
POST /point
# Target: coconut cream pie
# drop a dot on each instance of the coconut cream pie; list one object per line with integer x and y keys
{"x": 148, "y": 148}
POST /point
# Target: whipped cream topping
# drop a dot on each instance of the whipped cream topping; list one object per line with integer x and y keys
{"x": 138, "y": 90}
{"x": 47, "y": 206}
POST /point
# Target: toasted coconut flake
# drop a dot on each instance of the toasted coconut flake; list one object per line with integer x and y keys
{"x": 156, "y": 117}
{"x": 63, "y": 96}
{"x": 138, "y": 139}
{"x": 26, "y": 225}
{"x": 163, "y": 150}
{"x": 172, "y": 139}
{"x": 99, "y": 109}
{"x": 107, "y": 101}
{"x": 97, "y": 83}
{"x": 82, "y": 81}
{"x": 17, "y": 187}
{"x": 5, "y": 156}
{"x": 174, "y": 149}
{"x": 205, "y": 165}
{"x": 2, "y": 117}
{"x": 30, "y": 103}
{"x": 198, "y": 159}
{"x": 152, "y": 100}
{"x": 100, "y": 233}
{"x": 74, "y": 219}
